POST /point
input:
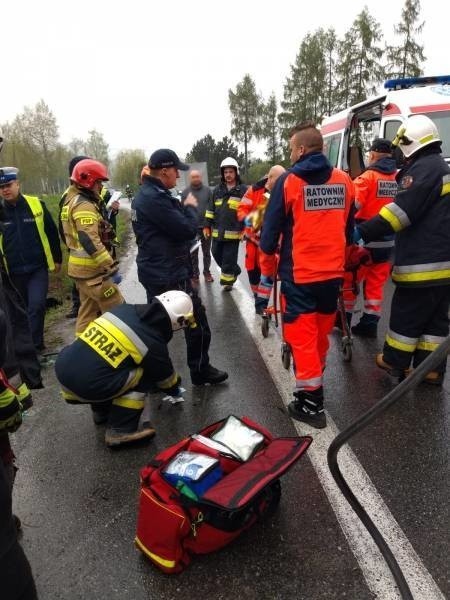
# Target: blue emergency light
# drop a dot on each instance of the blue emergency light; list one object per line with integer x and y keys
{"x": 408, "y": 82}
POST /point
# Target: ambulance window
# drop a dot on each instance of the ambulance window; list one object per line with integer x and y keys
{"x": 390, "y": 129}
{"x": 331, "y": 147}
{"x": 442, "y": 121}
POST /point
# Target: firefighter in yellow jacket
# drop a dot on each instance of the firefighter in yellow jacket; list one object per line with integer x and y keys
{"x": 86, "y": 232}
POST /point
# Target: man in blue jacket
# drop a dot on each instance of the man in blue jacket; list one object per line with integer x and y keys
{"x": 164, "y": 230}
{"x": 30, "y": 244}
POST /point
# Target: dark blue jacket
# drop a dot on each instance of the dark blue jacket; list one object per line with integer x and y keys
{"x": 151, "y": 324}
{"x": 21, "y": 242}
{"x": 420, "y": 219}
{"x": 163, "y": 230}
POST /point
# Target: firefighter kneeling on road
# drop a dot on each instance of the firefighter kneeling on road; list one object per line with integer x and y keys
{"x": 420, "y": 219}
{"x": 120, "y": 357}
{"x": 86, "y": 232}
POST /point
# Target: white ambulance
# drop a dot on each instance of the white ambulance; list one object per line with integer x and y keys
{"x": 349, "y": 133}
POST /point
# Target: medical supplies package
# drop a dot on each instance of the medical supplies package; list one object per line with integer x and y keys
{"x": 175, "y": 522}
{"x": 197, "y": 471}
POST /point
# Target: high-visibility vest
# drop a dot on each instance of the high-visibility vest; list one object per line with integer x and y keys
{"x": 373, "y": 190}
{"x": 38, "y": 214}
{"x": 314, "y": 248}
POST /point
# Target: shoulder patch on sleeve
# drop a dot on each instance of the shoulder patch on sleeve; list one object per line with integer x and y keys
{"x": 406, "y": 182}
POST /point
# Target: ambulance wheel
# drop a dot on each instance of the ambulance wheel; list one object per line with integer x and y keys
{"x": 285, "y": 355}
{"x": 265, "y": 326}
{"x": 347, "y": 350}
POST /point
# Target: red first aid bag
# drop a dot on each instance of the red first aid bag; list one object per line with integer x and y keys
{"x": 172, "y": 527}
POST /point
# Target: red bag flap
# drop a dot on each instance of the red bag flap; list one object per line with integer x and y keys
{"x": 240, "y": 486}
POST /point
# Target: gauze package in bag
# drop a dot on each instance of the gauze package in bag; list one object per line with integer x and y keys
{"x": 237, "y": 437}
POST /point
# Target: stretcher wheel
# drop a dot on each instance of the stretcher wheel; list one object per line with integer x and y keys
{"x": 347, "y": 350}
{"x": 286, "y": 355}
{"x": 265, "y": 326}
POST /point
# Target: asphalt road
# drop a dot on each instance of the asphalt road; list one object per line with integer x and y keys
{"x": 78, "y": 500}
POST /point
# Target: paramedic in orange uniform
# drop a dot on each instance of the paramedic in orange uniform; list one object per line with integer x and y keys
{"x": 251, "y": 210}
{"x": 373, "y": 189}
{"x": 310, "y": 207}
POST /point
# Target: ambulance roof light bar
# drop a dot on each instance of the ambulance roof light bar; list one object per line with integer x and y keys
{"x": 408, "y": 82}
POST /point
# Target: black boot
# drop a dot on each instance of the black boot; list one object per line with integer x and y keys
{"x": 367, "y": 326}
{"x": 100, "y": 412}
{"x": 308, "y": 408}
{"x": 209, "y": 375}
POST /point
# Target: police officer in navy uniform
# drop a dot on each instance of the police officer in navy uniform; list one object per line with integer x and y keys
{"x": 164, "y": 231}
{"x": 420, "y": 218}
{"x": 31, "y": 248}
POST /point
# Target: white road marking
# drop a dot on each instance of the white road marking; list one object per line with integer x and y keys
{"x": 370, "y": 560}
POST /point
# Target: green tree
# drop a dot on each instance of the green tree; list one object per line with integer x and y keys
{"x": 208, "y": 150}
{"x": 405, "y": 59}
{"x": 270, "y": 129}
{"x": 127, "y": 168}
{"x": 359, "y": 68}
{"x": 330, "y": 44}
{"x": 76, "y": 147}
{"x": 245, "y": 107}
{"x": 303, "y": 96}
{"x": 36, "y": 129}
{"x": 258, "y": 169}
{"x": 96, "y": 146}
{"x": 204, "y": 150}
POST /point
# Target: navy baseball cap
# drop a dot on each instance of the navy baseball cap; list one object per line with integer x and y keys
{"x": 381, "y": 145}
{"x": 165, "y": 158}
{"x": 8, "y": 174}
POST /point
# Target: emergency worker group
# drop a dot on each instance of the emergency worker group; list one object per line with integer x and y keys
{"x": 297, "y": 225}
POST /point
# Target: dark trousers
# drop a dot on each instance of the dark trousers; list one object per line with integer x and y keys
{"x": 75, "y": 295}
{"x": 226, "y": 256}
{"x": 206, "y": 250}
{"x": 33, "y": 288}
{"x": 20, "y": 351}
{"x": 418, "y": 324}
{"x": 15, "y": 573}
{"x": 198, "y": 338}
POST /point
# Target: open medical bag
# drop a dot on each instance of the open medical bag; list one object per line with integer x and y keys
{"x": 239, "y": 485}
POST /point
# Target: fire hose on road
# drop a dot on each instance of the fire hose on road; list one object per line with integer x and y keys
{"x": 437, "y": 357}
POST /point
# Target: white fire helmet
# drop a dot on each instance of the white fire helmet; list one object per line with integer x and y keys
{"x": 417, "y": 132}
{"x": 178, "y": 306}
{"x": 229, "y": 162}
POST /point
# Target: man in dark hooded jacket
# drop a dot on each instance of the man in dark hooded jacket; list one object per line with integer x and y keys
{"x": 310, "y": 207}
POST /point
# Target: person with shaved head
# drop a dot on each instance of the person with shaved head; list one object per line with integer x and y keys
{"x": 251, "y": 210}
{"x": 203, "y": 194}
{"x": 310, "y": 211}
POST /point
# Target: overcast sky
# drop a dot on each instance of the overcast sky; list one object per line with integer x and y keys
{"x": 153, "y": 74}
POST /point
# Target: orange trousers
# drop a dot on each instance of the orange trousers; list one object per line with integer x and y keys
{"x": 373, "y": 277}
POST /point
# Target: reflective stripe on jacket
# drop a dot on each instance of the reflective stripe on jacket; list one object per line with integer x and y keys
{"x": 81, "y": 220}
{"x": 221, "y": 213}
{"x": 312, "y": 218}
{"x": 125, "y": 345}
{"x": 420, "y": 219}
{"x": 375, "y": 188}
{"x": 38, "y": 214}
{"x": 37, "y": 211}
